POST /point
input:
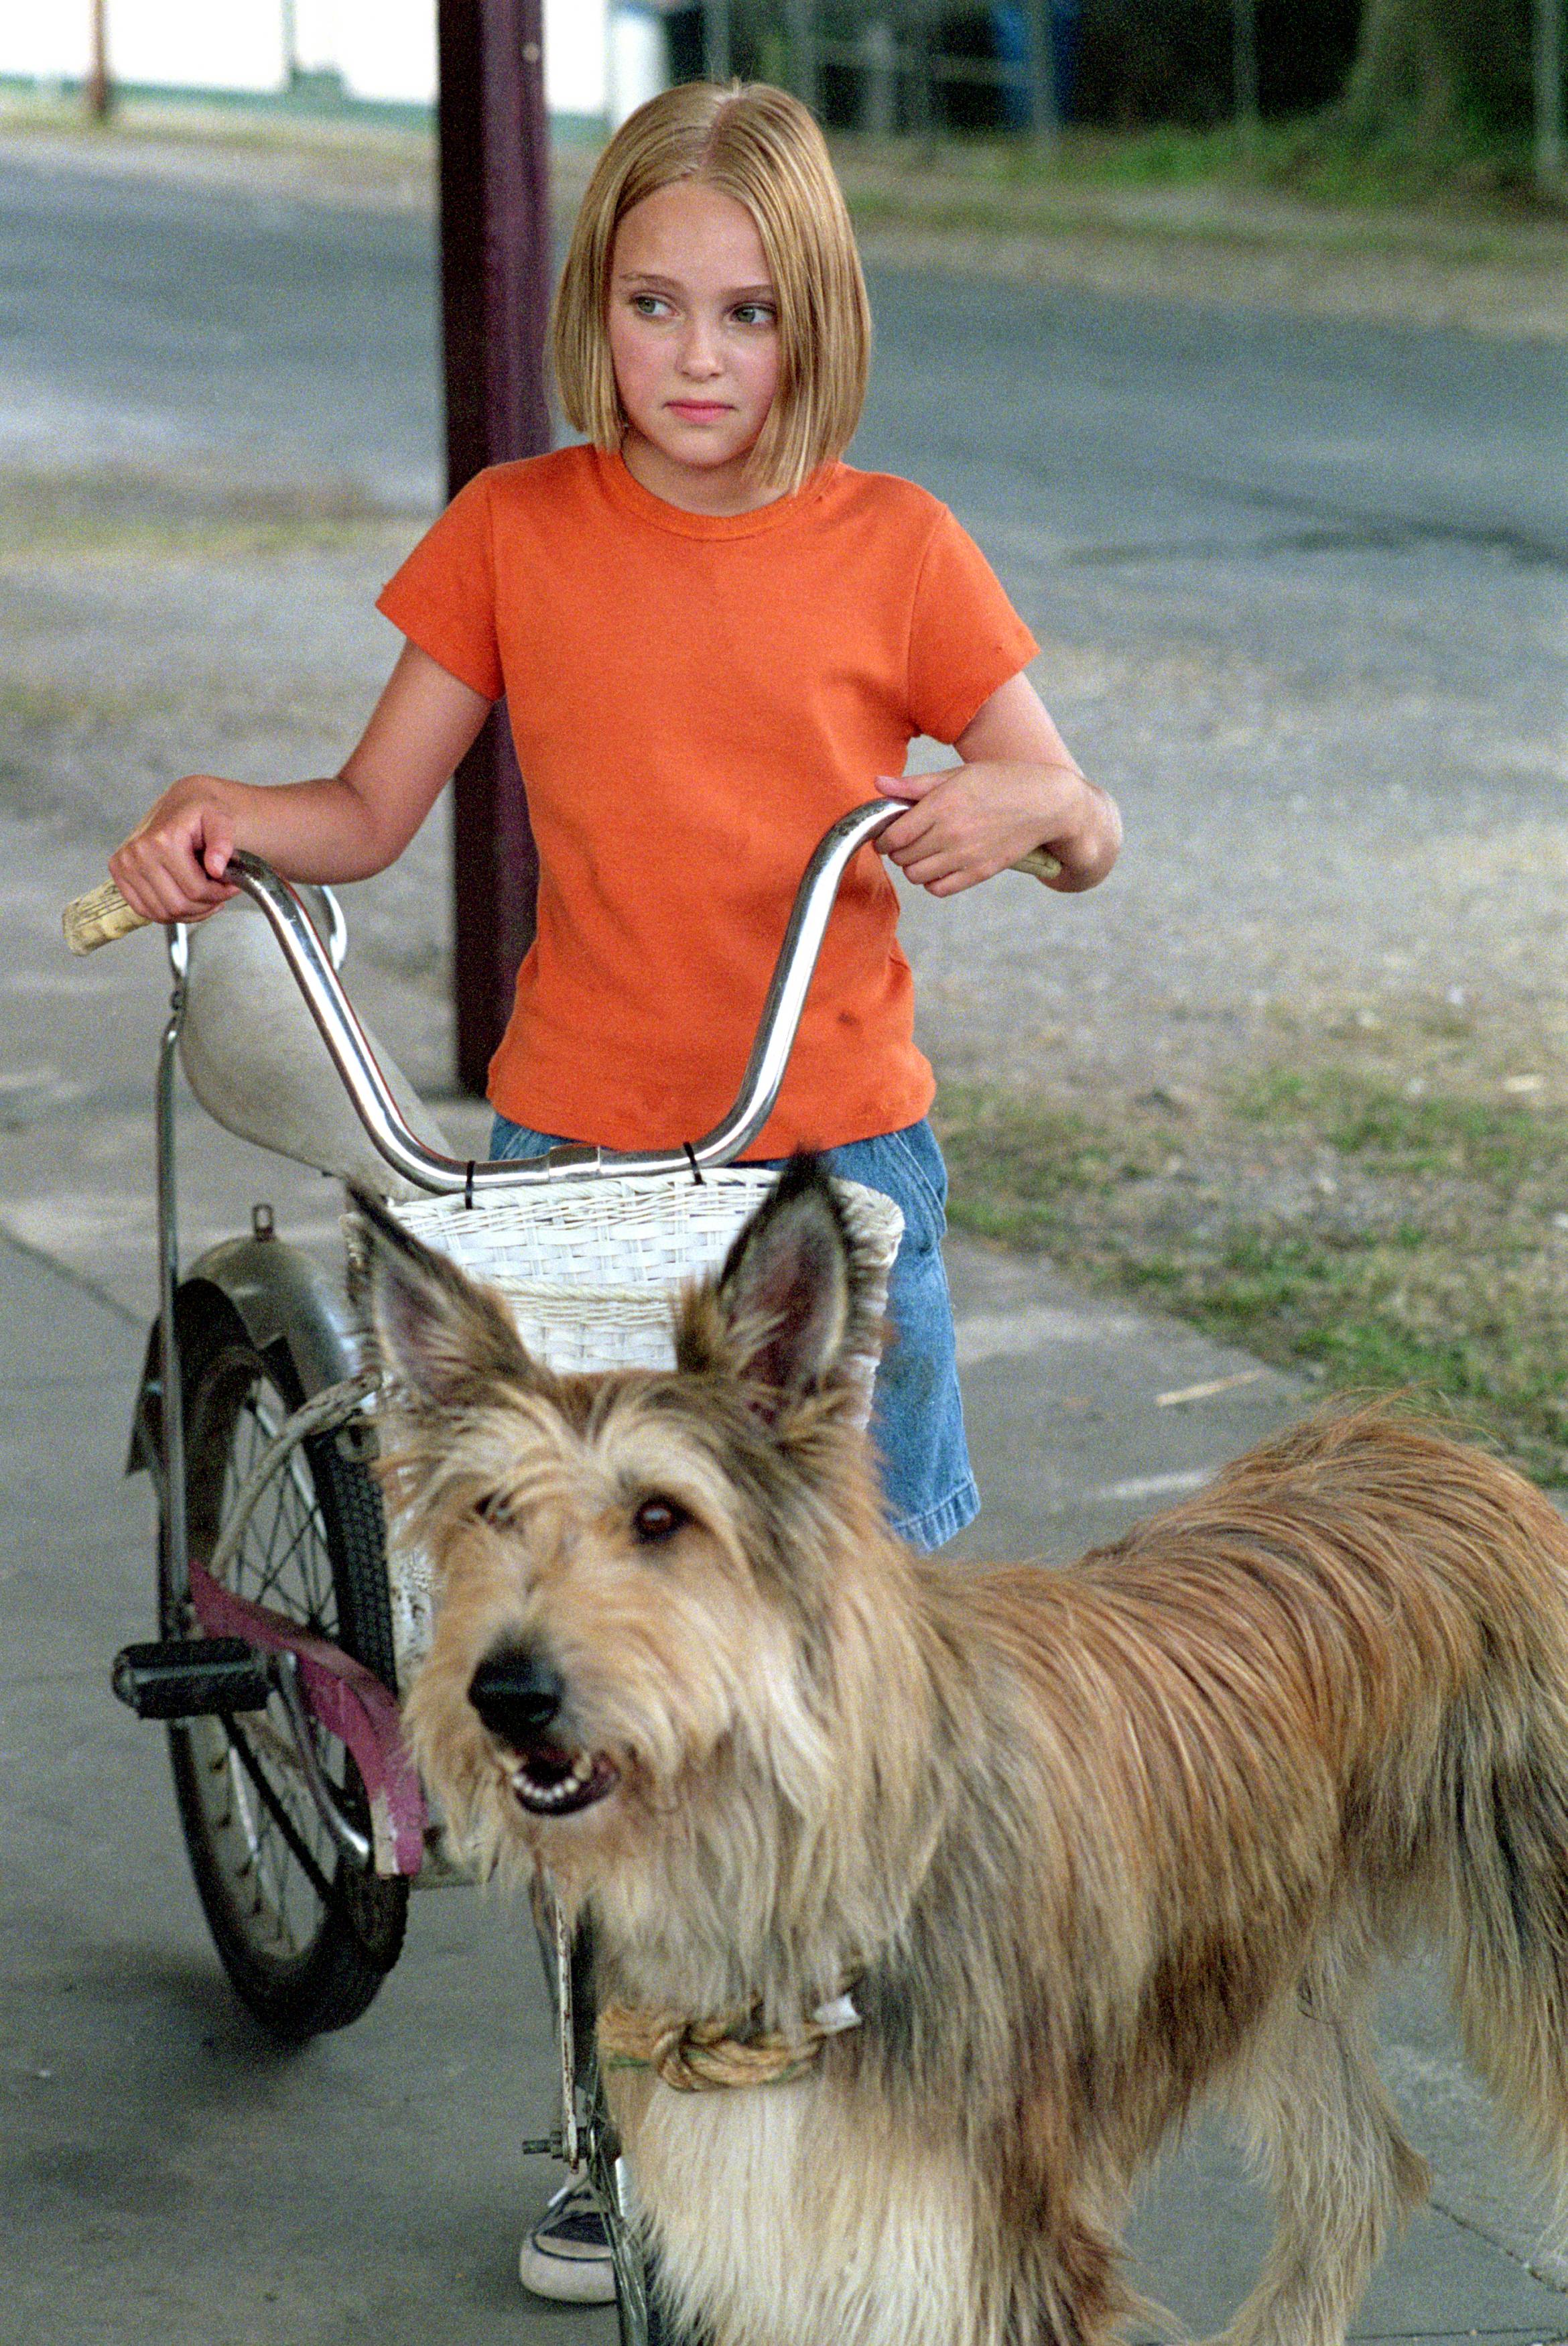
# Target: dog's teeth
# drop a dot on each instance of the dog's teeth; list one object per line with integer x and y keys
{"x": 579, "y": 1785}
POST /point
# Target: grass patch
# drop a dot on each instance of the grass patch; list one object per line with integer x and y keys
{"x": 1019, "y": 1172}
{"x": 1377, "y": 1237}
{"x": 1311, "y": 157}
{"x": 1408, "y": 1129}
{"x": 126, "y": 512}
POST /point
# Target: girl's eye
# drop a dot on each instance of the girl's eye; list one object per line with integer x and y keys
{"x": 754, "y": 313}
{"x": 657, "y": 1520}
{"x": 647, "y": 305}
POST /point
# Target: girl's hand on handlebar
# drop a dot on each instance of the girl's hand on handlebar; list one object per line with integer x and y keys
{"x": 170, "y": 868}
{"x": 966, "y": 824}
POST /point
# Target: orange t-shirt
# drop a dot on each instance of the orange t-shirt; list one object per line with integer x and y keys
{"x": 695, "y": 698}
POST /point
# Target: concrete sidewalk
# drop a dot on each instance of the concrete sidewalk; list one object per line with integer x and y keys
{"x": 169, "y": 2176}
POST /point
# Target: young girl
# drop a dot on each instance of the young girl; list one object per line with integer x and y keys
{"x": 714, "y": 638}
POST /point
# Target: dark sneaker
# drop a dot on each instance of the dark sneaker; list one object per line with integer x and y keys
{"x": 567, "y": 2257}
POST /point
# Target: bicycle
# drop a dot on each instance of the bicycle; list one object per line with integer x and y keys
{"x": 284, "y": 1632}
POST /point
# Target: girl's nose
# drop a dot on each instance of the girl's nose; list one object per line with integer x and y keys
{"x": 699, "y": 350}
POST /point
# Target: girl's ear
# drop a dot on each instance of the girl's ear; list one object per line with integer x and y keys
{"x": 788, "y": 1308}
{"x": 444, "y": 1338}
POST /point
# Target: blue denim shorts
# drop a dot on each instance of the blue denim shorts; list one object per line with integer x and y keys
{"x": 917, "y": 1414}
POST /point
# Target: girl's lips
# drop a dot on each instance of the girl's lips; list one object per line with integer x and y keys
{"x": 699, "y": 407}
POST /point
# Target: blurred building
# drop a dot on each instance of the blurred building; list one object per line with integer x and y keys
{"x": 602, "y": 57}
{"x": 882, "y": 67}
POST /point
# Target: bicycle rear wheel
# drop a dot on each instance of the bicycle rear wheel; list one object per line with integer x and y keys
{"x": 306, "y": 1939}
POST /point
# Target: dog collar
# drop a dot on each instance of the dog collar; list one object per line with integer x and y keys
{"x": 698, "y": 2056}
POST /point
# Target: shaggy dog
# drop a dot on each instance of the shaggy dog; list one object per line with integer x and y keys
{"x": 958, "y": 1887}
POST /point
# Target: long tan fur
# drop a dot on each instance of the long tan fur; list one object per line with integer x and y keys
{"x": 1083, "y": 1844}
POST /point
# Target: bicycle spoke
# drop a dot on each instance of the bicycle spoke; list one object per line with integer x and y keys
{"x": 285, "y": 1562}
{"x": 285, "y": 1546}
{"x": 287, "y": 1541}
{"x": 281, "y": 1817}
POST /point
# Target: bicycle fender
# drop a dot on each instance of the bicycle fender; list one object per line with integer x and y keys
{"x": 280, "y": 1296}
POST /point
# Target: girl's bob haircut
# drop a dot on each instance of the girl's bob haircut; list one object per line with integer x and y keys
{"x": 761, "y": 146}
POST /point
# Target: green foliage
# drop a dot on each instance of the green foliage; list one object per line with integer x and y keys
{"x": 1409, "y": 1131}
{"x": 1438, "y": 68}
{"x": 1316, "y": 158}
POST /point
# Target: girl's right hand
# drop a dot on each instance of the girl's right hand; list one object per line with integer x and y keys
{"x": 170, "y": 868}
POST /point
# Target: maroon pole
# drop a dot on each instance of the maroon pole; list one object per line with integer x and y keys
{"x": 495, "y": 296}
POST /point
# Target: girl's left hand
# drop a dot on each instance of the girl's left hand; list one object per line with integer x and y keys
{"x": 966, "y": 824}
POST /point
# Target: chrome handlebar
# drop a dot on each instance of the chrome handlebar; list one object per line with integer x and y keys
{"x": 378, "y": 1111}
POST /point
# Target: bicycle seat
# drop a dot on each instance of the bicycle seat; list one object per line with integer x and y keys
{"x": 253, "y": 1057}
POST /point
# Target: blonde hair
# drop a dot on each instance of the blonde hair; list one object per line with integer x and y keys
{"x": 759, "y": 146}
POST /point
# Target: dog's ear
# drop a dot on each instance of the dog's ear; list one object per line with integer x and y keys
{"x": 788, "y": 1299}
{"x": 444, "y": 1337}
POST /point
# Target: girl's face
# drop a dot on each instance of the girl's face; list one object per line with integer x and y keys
{"x": 694, "y": 341}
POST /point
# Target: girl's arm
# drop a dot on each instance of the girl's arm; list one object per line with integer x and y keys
{"x": 345, "y": 827}
{"x": 1018, "y": 788}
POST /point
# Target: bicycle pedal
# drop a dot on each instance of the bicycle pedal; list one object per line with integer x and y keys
{"x": 192, "y": 1678}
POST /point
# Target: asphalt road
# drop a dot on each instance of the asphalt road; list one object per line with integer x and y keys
{"x": 147, "y": 324}
{"x": 140, "y": 318}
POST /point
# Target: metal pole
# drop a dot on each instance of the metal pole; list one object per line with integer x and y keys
{"x": 1244, "y": 69}
{"x": 495, "y": 269}
{"x": 879, "y": 56}
{"x": 1548, "y": 59}
{"x": 99, "y": 95}
{"x": 716, "y": 51}
{"x": 920, "y": 112}
{"x": 802, "y": 22}
{"x": 175, "y": 1621}
{"x": 1042, "y": 71}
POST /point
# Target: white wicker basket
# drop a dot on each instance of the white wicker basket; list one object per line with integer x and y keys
{"x": 591, "y": 1271}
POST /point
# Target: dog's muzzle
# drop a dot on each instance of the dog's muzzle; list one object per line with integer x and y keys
{"x": 520, "y": 1696}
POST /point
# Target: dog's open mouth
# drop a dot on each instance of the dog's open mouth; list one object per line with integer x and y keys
{"x": 551, "y": 1781}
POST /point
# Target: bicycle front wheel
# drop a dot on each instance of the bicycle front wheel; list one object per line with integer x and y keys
{"x": 305, "y": 1938}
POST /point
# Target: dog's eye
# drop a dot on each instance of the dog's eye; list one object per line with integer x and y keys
{"x": 659, "y": 1519}
{"x": 493, "y": 1507}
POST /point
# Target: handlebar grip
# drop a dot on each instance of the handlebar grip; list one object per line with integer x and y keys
{"x": 1038, "y": 864}
{"x": 99, "y": 918}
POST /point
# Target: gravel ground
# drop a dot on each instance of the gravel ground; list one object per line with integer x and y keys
{"x": 153, "y": 626}
{"x": 1338, "y": 839}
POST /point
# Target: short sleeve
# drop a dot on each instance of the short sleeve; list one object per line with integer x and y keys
{"x": 965, "y": 638}
{"x": 443, "y": 597}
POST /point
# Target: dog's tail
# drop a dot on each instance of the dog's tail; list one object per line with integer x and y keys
{"x": 1503, "y": 1786}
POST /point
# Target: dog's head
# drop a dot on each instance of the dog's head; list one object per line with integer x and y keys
{"x": 631, "y": 1569}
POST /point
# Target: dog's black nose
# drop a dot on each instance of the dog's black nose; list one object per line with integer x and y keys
{"x": 516, "y": 1692}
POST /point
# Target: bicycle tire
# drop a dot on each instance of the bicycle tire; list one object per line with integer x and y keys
{"x": 306, "y": 1940}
